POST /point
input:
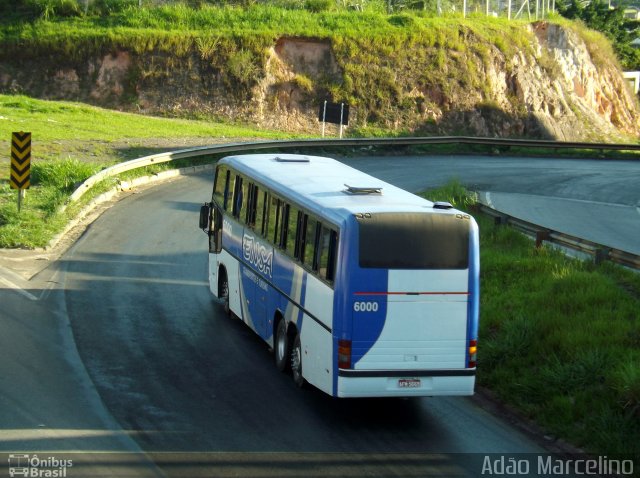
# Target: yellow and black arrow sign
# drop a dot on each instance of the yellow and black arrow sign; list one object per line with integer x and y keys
{"x": 20, "y": 160}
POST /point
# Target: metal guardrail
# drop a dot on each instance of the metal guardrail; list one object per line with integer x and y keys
{"x": 541, "y": 234}
{"x": 599, "y": 252}
{"x": 319, "y": 143}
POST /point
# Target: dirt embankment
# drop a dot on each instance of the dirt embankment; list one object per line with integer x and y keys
{"x": 551, "y": 90}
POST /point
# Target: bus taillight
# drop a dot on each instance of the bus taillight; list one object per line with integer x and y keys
{"x": 344, "y": 353}
{"x": 473, "y": 350}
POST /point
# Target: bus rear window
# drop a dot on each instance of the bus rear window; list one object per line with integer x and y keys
{"x": 414, "y": 241}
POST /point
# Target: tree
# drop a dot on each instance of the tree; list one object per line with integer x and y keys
{"x": 612, "y": 23}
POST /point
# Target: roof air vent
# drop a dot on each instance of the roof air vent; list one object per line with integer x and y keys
{"x": 442, "y": 205}
{"x": 363, "y": 190}
{"x": 292, "y": 159}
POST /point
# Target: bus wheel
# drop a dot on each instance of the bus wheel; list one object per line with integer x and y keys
{"x": 296, "y": 362}
{"x": 282, "y": 352}
{"x": 224, "y": 294}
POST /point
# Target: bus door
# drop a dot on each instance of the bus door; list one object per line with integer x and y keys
{"x": 257, "y": 260}
{"x": 211, "y": 223}
{"x": 215, "y": 245}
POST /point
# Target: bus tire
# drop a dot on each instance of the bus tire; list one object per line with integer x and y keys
{"x": 223, "y": 291}
{"x": 282, "y": 347}
{"x": 296, "y": 362}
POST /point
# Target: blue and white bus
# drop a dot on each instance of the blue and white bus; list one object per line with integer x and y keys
{"x": 360, "y": 288}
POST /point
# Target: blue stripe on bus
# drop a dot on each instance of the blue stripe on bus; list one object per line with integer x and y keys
{"x": 366, "y": 326}
{"x": 282, "y": 286}
{"x": 473, "y": 309}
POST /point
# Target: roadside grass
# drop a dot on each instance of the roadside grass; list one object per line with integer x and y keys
{"x": 62, "y": 120}
{"x": 397, "y": 56}
{"x": 559, "y": 337}
{"x": 399, "y": 70}
{"x": 72, "y": 141}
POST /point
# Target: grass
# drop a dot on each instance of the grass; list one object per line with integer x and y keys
{"x": 61, "y": 120}
{"x": 559, "y": 337}
{"x": 72, "y": 141}
{"x": 401, "y": 72}
{"x": 400, "y": 57}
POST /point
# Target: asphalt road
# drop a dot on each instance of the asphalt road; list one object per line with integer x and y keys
{"x": 178, "y": 376}
{"x": 598, "y": 200}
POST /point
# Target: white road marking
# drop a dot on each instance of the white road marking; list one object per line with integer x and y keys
{"x": 19, "y": 290}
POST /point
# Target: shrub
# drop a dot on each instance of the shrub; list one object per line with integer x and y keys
{"x": 627, "y": 381}
{"x": 62, "y": 175}
{"x": 242, "y": 66}
{"x": 317, "y": 6}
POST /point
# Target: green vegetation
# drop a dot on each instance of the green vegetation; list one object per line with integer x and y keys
{"x": 394, "y": 69}
{"x": 403, "y": 70}
{"x": 39, "y": 220}
{"x": 310, "y": 18}
{"x": 52, "y": 121}
{"x": 621, "y": 31}
{"x": 559, "y": 337}
{"x": 70, "y": 142}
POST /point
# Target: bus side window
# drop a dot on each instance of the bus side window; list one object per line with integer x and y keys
{"x": 310, "y": 240}
{"x": 252, "y": 197}
{"x": 283, "y": 226}
{"x": 221, "y": 184}
{"x": 243, "y": 200}
{"x": 228, "y": 190}
{"x": 333, "y": 253}
{"x": 328, "y": 249}
{"x": 275, "y": 213}
{"x": 237, "y": 197}
{"x": 257, "y": 209}
{"x": 263, "y": 215}
{"x": 292, "y": 232}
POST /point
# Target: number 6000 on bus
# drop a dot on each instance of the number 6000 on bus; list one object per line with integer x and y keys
{"x": 360, "y": 288}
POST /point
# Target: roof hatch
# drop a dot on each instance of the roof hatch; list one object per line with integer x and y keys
{"x": 363, "y": 189}
{"x": 292, "y": 159}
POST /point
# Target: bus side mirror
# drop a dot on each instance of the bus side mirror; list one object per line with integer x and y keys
{"x": 205, "y": 214}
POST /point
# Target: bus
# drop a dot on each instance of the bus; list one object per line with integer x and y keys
{"x": 360, "y": 288}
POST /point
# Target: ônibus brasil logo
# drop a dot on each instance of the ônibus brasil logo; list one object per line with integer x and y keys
{"x": 38, "y": 467}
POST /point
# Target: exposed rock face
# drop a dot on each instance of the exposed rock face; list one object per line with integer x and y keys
{"x": 552, "y": 90}
{"x": 284, "y": 97}
{"x": 599, "y": 95}
{"x": 556, "y": 93}
{"x": 111, "y": 76}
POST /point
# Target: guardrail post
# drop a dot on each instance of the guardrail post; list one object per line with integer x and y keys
{"x": 540, "y": 237}
{"x": 499, "y": 220}
{"x": 601, "y": 254}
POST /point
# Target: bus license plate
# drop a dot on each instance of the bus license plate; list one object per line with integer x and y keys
{"x": 409, "y": 383}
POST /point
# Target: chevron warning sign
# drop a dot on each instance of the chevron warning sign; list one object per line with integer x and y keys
{"x": 20, "y": 160}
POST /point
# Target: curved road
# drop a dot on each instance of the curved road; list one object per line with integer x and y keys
{"x": 177, "y": 375}
{"x": 598, "y": 200}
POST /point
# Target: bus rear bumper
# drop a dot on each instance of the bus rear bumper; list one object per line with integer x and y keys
{"x": 365, "y": 383}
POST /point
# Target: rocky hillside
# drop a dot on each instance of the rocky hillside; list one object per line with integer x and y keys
{"x": 552, "y": 84}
